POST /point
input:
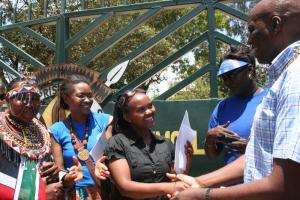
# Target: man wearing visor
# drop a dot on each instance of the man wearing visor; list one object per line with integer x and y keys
{"x": 230, "y": 123}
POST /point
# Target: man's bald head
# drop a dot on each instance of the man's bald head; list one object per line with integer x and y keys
{"x": 276, "y": 7}
{"x": 273, "y": 25}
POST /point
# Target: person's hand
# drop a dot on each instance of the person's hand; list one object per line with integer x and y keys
{"x": 191, "y": 181}
{"x": 172, "y": 177}
{"x": 179, "y": 186}
{"x": 75, "y": 173}
{"x": 176, "y": 186}
{"x": 189, "y": 156}
{"x": 220, "y": 131}
{"x": 76, "y": 170}
{"x": 238, "y": 146}
{"x": 189, "y": 194}
{"x": 101, "y": 170}
{"x": 49, "y": 171}
{"x": 54, "y": 191}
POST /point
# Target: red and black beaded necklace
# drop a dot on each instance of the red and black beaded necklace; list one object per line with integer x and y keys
{"x": 28, "y": 136}
{"x": 74, "y": 136}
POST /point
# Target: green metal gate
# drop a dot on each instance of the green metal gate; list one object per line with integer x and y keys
{"x": 169, "y": 112}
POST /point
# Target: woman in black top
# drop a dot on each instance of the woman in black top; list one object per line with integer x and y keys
{"x": 138, "y": 160}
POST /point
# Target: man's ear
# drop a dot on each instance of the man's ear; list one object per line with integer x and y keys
{"x": 276, "y": 24}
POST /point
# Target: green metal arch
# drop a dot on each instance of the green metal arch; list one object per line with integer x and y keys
{"x": 64, "y": 42}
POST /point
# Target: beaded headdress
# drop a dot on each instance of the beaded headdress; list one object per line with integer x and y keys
{"x": 25, "y": 86}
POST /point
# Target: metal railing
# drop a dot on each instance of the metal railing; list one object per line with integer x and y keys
{"x": 100, "y": 15}
{"x": 36, "y": 9}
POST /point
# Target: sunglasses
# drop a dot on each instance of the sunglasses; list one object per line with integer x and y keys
{"x": 124, "y": 98}
{"x": 27, "y": 98}
{"x": 233, "y": 74}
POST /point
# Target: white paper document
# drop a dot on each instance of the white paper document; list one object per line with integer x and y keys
{"x": 97, "y": 150}
{"x": 96, "y": 107}
{"x": 186, "y": 133}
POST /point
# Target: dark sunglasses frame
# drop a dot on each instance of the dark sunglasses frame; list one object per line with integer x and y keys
{"x": 128, "y": 94}
{"x": 23, "y": 97}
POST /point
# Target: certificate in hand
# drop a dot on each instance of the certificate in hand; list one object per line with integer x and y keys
{"x": 97, "y": 150}
{"x": 186, "y": 133}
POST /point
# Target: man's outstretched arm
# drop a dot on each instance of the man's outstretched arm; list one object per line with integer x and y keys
{"x": 281, "y": 184}
{"x": 231, "y": 173}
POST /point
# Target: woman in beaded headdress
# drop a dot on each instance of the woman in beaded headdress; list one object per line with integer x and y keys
{"x": 26, "y": 169}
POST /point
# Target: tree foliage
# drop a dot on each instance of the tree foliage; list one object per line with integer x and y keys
{"x": 182, "y": 67}
{"x": 233, "y": 28}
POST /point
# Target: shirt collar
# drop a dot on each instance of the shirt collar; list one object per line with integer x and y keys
{"x": 133, "y": 138}
{"x": 281, "y": 60}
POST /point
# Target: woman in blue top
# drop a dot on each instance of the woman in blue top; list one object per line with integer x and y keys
{"x": 233, "y": 116}
{"x": 78, "y": 134}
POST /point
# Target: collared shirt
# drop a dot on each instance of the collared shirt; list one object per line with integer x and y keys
{"x": 276, "y": 127}
{"x": 147, "y": 163}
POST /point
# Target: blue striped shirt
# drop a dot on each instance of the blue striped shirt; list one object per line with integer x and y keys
{"x": 275, "y": 131}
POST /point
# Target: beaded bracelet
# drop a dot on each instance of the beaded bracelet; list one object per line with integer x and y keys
{"x": 207, "y": 194}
